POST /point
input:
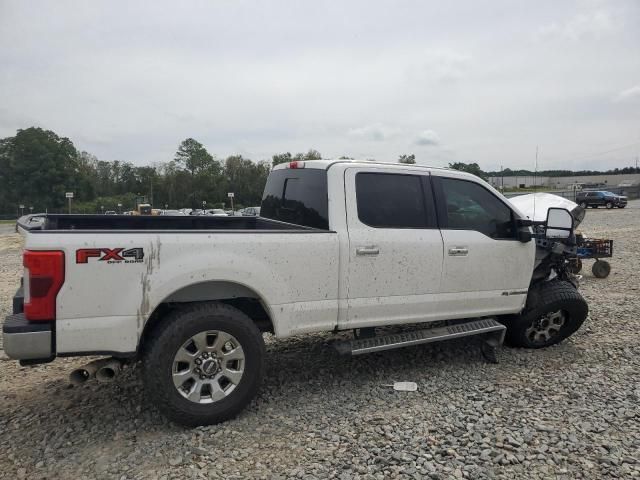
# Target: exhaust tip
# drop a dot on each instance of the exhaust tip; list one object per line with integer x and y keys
{"x": 108, "y": 372}
{"x": 106, "y": 375}
{"x": 79, "y": 376}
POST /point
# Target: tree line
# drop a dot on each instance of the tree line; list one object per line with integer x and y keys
{"x": 37, "y": 168}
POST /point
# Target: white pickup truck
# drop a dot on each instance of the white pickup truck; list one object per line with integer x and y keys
{"x": 339, "y": 245}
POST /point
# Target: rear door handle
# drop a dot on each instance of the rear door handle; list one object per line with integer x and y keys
{"x": 458, "y": 252}
{"x": 370, "y": 250}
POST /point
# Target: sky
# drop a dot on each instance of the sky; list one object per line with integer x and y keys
{"x": 455, "y": 81}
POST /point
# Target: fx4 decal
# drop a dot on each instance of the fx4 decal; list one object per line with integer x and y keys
{"x": 110, "y": 255}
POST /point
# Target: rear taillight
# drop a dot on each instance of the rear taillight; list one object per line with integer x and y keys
{"x": 296, "y": 164}
{"x": 44, "y": 275}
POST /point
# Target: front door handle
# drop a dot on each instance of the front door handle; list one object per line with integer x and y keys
{"x": 369, "y": 250}
{"x": 458, "y": 252}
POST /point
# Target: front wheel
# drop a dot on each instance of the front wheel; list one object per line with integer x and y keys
{"x": 203, "y": 364}
{"x": 555, "y": 310}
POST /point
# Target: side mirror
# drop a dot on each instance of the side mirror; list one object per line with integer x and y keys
{"x": 559, "y": 223}
{"x": 524, "y": 236}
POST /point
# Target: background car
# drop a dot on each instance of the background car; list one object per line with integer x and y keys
{"x": 598, "y": 198}
{"x": 216, "y": 212}
{"x": 174, "y": 213}
{"x": 251, "y": 212}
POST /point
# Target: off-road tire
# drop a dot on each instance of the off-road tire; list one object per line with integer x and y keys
{"x": 601, "y": 269}
{"x": 548, "y": 297}
{"x": 170, "y": 334}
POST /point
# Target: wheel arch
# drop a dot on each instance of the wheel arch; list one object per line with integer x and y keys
{"x": 237, "y": 295}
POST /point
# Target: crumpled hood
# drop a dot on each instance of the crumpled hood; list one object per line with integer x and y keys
{"x": 535, "y": 206}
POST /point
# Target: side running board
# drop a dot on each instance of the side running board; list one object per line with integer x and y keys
{"x": 493, "y": 330}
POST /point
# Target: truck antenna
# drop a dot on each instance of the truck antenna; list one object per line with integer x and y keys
{"x": 535, "y": 183}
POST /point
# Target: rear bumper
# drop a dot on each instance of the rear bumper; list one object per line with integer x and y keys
{"x": 24, "y": 340}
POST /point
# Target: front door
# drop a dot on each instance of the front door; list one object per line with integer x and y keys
{"x": 395, "y": 247}
{"x": 486, "y": 271}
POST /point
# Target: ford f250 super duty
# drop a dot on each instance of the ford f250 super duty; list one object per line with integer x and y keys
{"x": 340, "y": 245}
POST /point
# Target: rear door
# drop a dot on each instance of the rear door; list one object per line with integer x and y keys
{"x": 395, "y": 247}
{"x": 486, "y": 269}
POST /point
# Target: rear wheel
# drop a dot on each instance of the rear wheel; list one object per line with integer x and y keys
{"x": 583, "y": 204}
{"x": 555, "y": 310}
{"x": 609, "y": 205}
{"x": 203, "y": 364}
{"x": 601, "y": 269}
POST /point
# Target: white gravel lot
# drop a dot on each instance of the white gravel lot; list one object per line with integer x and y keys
{"x": 570, "y": 411}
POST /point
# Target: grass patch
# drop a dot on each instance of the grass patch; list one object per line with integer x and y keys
{"x": 7, "y": 222}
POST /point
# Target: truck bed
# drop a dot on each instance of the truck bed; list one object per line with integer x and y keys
{"x": 56, "y": 222}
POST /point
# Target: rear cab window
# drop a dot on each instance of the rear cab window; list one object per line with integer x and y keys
{"x": 394, "y": 200}
{"x": 297, "y": 196}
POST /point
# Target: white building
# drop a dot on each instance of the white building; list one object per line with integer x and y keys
{"x": 561, "y": 183}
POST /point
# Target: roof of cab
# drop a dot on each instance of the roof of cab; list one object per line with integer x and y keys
{"x": 326, "y": 163}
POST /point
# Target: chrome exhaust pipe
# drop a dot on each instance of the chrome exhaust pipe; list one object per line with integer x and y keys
{"x": 86, "y": 372}
{"x": 108, "y": 372}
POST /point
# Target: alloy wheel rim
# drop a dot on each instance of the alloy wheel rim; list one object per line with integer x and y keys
{"x": 208, "y": 366}
{"x": 546, "y": 327}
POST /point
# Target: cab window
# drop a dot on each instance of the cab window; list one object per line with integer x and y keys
{"x": 392, "y": 200}
{"x": 469, "y": 206}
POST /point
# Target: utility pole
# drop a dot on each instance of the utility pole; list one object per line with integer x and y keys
{"x": 535, "y": 174}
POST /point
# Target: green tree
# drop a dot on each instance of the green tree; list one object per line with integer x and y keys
{"x": 279, "y": 158}
{"x": 287, "y": 157}
{"x": 192, "y": 156}
{"x": 246, "y": 179}
{"x": 38, "y": 167}
{"x": 411, "y": 159}
{"x": 310, "y": 155}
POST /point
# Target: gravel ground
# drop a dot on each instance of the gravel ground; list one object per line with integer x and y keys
{"x": 570, "y": 411}
{"x": 6, "y": 228}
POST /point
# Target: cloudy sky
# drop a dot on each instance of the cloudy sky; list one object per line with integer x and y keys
{"x": 471, "y": 81}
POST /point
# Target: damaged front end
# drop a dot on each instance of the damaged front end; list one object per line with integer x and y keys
{"x": 554, "y": 233}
